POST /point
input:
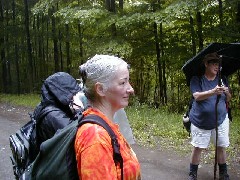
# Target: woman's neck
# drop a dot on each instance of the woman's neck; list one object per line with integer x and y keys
{"x": 210, "y": 76}
{"x": 107, "y": 111}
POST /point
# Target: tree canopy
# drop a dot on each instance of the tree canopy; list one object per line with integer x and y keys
{"x": 40, "y": 37}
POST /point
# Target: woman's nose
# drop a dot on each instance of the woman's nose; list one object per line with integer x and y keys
{"x": 130, "y": 90}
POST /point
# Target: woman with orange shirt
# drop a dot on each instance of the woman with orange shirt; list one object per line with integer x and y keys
{"x": 107, "y": 88}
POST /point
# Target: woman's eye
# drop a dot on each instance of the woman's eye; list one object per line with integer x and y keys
{"x": 122, "y": 83}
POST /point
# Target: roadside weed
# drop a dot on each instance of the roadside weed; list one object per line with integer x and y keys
{"x": 28, "y": 100}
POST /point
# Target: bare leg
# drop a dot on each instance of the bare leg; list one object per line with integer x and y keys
{"x": 221, "y": 155}
{"x": 195, "y": 160}
{"x": 223, "y": 175}
{"x": 196, "y": 155}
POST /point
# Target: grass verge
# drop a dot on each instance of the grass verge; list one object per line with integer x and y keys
{"x": 28, "y": 100}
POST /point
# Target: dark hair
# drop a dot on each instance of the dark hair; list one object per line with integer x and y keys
{"x": 83, "y": 74}
{"x": 211, "y": 58}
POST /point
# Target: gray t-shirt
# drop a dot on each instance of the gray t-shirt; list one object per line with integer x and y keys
{"x": 202, "y": 113}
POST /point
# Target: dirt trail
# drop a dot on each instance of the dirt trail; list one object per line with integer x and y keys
{"x": 155, "y": 164}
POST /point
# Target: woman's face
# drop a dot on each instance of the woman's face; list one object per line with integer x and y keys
{"x": 212, "y": 68}
{"x": 119, "y": 89}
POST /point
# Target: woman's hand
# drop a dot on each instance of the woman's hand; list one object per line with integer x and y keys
{"x": 220, "y": 89}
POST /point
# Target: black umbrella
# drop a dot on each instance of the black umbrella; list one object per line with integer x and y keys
{"x": 230, "y": 60}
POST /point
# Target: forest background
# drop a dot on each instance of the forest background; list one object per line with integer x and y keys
{"x": 40, "y": 37}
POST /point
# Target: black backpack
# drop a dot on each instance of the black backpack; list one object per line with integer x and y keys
{"x": 57, "y": 160}
{"x": 24, "y": 144}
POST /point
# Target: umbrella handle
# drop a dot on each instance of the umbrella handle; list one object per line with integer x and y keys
{"x": 219, "y": 71}
{"x": 217, "y": 100}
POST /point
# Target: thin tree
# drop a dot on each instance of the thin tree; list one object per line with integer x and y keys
{"x": 55, "y": 41}
{"x": 16, "y": 48}
{"x": 161, "y": 95}
{"x": 8, "y": 56}
{"x": 111, "y": 7}
{"x": 164, "y": 86}
{"x": 199, "y": 30}
{"x": 29, "y": 47}
{"x": 80, "y": 36}
{"x": 120, "y": 5}
{"x": 68, "y": 48}
{"x": 3, "y": 54}
{"x": 192, "y": 35}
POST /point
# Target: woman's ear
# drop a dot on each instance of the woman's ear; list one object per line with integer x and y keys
{"x": 206, "y": 64}
{"x": 100, "y": 90}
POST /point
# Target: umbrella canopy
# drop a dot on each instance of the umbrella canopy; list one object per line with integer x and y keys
{"x": 230, "y": 60}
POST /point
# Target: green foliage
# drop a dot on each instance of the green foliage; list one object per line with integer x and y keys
{"x": 43, "y": 7}
{"x": 117, "y": 47}
{"x": 153, "y": 126}
{"x": 85, "y": 17}
{"x": 28, "y": 100}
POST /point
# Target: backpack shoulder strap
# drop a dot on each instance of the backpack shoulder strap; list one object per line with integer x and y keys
{"x": 200, "y": 81}
{"x": 115, "y": 145}
{"x": 46, "y": 109}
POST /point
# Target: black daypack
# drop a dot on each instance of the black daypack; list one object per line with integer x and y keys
{"x": 185, "y": 119}
{"x": 24, "y": 145}
{"x": 57, "y": 159}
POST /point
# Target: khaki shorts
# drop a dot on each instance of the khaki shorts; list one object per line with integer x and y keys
{"x": 201, "y": 138}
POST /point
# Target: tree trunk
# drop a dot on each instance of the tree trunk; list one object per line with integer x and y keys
{"x": 47, "y": 44}
{"x": 147, "y": 87}
{"x": 238, "y": 16}
{"x": 192, "y": 36}
{"x": 80, "y": 35}
{"x": 3, "y": 54}
{"x": 30, "y": 75}
{"x": 55, "y": 41}
{"x": 220, "y": 13}
{"x": 141, "y": 83}
{"x": 8, "y": 56}
{"x": 159, "y": 64}
{"x": 161, "y": 96}
{"x": 60, "y": 35}
{"x": 68, "y": 49}
{"x": 199, "y": 30}
{"x": 40, "y": 43}
{"x": 120, "y": 5}
{"x": 16, "y": 49}
{"x": 163, "y": 66}
{"x": 111, "y": 7}
{"x": 34, "y": 46}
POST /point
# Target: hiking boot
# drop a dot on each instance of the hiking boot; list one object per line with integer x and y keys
{"x": 223, "y": 176}
{"x": 192, "y": 176}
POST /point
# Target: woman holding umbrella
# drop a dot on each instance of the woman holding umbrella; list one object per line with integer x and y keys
{"x": 206, "y": 90}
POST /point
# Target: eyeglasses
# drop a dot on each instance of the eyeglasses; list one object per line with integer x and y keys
{"x": 214, "y": 63}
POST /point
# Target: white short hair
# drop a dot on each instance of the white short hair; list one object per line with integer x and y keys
{"x": 99, "y": 68}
